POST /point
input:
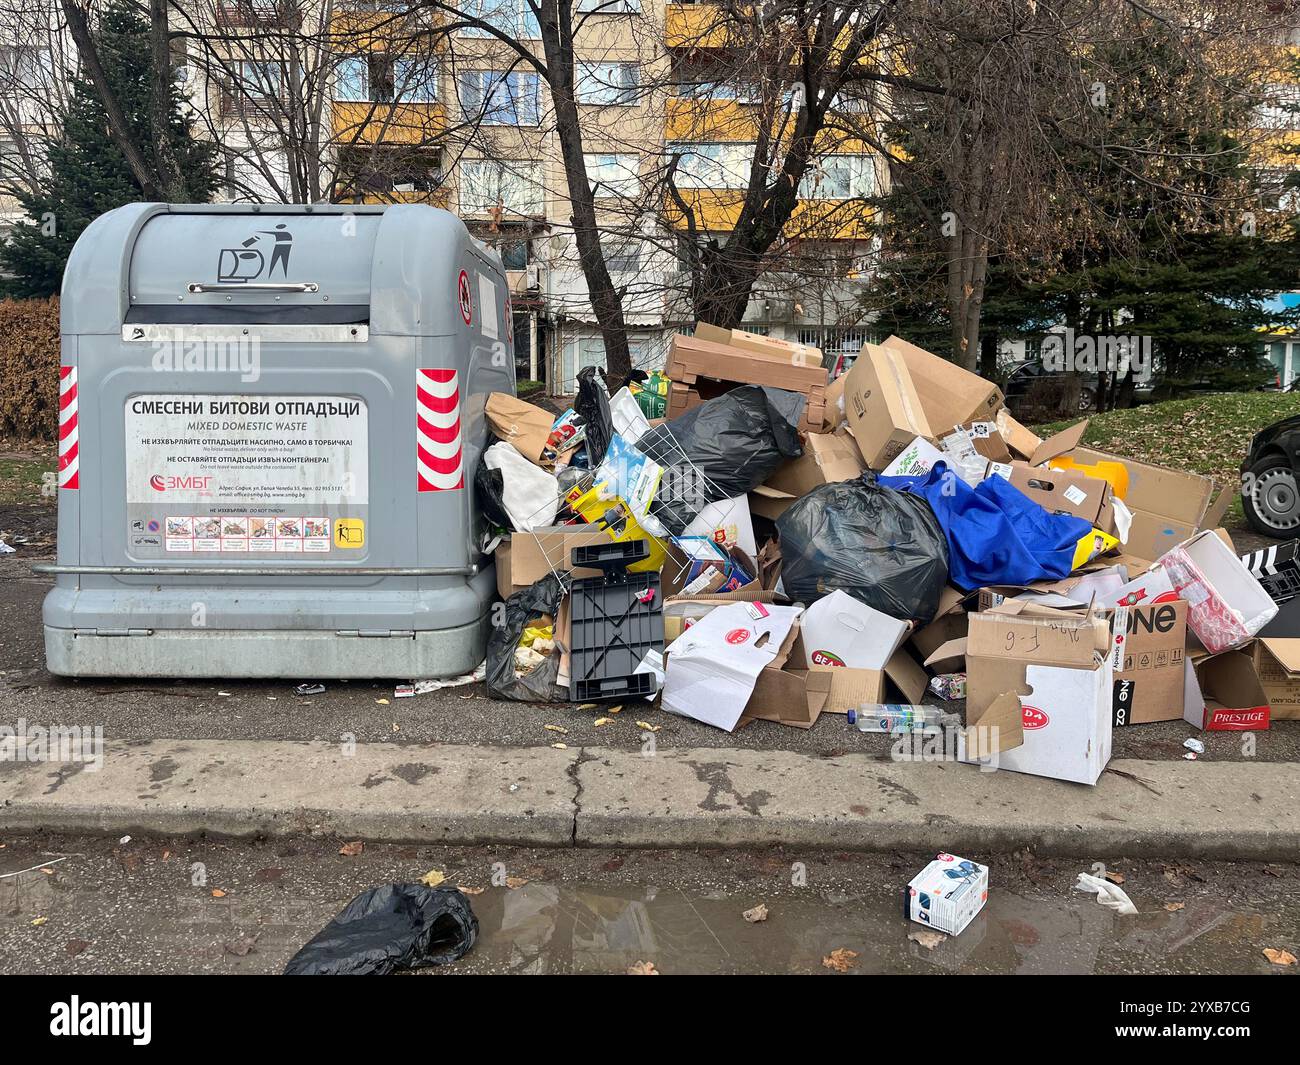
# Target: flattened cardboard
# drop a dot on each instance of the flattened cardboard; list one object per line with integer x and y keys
{"x": 1059, "y": 444}
{"x": 523, "y": 559}
{"x": 526, "y": 427}
{"x": 826, "y": 458}
{"x": 881, "y": 405}
{"x": 950, "y": 396}
{"x": 1020, "y": 440}
{"x": 759, "y": 344}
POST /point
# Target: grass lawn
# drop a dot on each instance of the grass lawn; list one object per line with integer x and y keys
{"x": 22, "y": 469}
{"x": 1208, "y": 434}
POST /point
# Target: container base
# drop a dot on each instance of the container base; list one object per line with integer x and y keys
{"x": 271, "y": 653}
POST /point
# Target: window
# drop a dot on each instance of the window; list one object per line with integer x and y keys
{"x": 514, "y": 254}
{"x": 609, "y": 7}
{"x": 378, "y": 78}
{"x": 622, "y": 256}
{"x": 607, "y": 83}
{"x": 23, "y": 68}
{"x": 486, "y": 184}
{"x": 839, "y": 177}
{"x": 1280, "y": 109}
{"x": 512, "y": 17}
{"x": 613, "y": 175}
{"x": 380, "y": 171}
{"x": 497, "y": 99}
{"x": 713, "y": 166}
{"x": 258, "y": 77}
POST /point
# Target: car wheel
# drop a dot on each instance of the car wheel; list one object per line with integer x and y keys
{"x": 1270, "y": 497}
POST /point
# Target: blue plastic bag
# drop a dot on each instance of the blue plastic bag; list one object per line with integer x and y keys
{"x": 996, "y": 534}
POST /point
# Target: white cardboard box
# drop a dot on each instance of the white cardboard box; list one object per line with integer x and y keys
{"x": 838, "y": 630}
{"x": 947, "y": 894}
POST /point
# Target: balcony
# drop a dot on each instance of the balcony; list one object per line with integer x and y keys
{"x": 389, "y": 123}
{"x": 258, "y": 14}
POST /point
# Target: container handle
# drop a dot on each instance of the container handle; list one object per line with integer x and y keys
{"x": 255, "y": 286}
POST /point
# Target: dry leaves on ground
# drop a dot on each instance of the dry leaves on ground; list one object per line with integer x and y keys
{"x": 1279, "y": 957}
{"x": 352, "y": 849}
{"x": 642, "y": 968}
{"x": 433, "y": 878}
{"x": 929, "y": 940}
{"x": 841, "y": 959}
{"x": 756, "y": 914}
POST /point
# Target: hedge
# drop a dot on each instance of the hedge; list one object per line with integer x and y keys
{"x": 29, "y": 369}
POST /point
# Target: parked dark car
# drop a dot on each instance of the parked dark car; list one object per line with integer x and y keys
{"x": 1270, "y": 497}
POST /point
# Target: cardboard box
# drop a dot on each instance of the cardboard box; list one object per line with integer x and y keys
{"x": 519, "y": 423}
{"x": 803, "y": 354}
{"x": 1061, "y": 491}
{"x": 700, "y": 363}
{"x": 1277, "y": 664}
{"x": 788, "y": 692}
{"x": 826, "y": 457}
{"x": 1277, "y": 568}
{"x": 950, "y": 396}
{"x": 712, "y": 668}
{"x": 833, "y": 415}
{"x": 881, "y": 406}
{"x": 524, "y": 558}
{"x": 1224, "y": 694}
{"x": 1061, "y": 659}
{"x": 916, "y": 460}
{"x": 947, "y": 894}
{"x": 854, "y": 643}
{"x": 1150, "y": 686}
{"x": 947, "y": 626}
{"x": 1020, "y": 440}
{"x": 1168, "y": 505}
{"x": 1226, "y": 605}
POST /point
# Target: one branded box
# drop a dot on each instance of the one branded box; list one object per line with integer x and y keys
{"x": 947, "y": 894}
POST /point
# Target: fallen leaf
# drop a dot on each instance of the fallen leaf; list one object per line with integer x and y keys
{"x": 603, "y": 721}
{"x": 1114, "y": 877}
{"x": 648, "y": 727}
{"x": 560, "y": 746}
{"x": 352, "y": 849}
{"x": 382, "y": 702}
{"x": 40, "y": 921}
{"x": 241, "y": 947}
{"x": 433, "y": 878}
{"x": 513, "y": 882}
{"x": 642, "y": 968}
{"x": 929, "y": 940}
{"x": 614, "y": 710}
{"x": 217, "y": 893}
{"x": 1277, "y": 957}
{"x": 755, "y": 914}
{"x": 166, "y": 855}
{"x": 47, "y": 870}
{"x": 841, "y": 959}
{"x": 470, "y": 890}
{"x": 76, "y": 946}
{"x": 556, "y": 728}
{"x": 589, "y": 706}
{"x": 1174, "y": 907}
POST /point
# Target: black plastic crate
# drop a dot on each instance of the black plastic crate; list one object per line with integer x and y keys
{"x": 615, "y": 621}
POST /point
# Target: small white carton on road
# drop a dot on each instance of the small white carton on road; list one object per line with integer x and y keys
{"x": 947, "y": 894}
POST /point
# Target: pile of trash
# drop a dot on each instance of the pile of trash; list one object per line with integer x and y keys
{"x": 743, "y": 539}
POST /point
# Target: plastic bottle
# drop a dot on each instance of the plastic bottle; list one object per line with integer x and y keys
{"x": 896, "y": 717}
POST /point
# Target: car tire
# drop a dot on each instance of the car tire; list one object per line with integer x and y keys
{"x": 1271, "y": 503}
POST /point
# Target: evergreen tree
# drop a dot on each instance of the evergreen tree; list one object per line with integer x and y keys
{"x": 88, "y": 174}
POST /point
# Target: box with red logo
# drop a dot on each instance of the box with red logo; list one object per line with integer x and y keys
{"x": 1224, "y": 694}
{"x": 947, "y": 894}
{"x": 1226, "y": 605}
{"x": 1063, "y": 663}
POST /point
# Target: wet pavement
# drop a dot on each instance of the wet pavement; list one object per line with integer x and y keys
{"x": 191, "y": 906}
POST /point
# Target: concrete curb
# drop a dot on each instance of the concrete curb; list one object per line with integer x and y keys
{"x": 609, "y": 797}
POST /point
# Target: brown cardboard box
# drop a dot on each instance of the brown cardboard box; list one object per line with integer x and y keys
{"x": 882, "y": 405}
{"x": 950, "y": 396}
{"x": 527, "y": 427}
{"x": 1225, "y": 694}
{"x": 790, "y": 350}
{"x": 833, "y": 417}
{"x": 949, "y": 623}
{"x": 1168, "y": 505}
{"x": 1019, "y": 439}
{"x": 523, "y": 559}
{"x": 1150, "y": 687}
{"x": 698, "y": 363}
{"x": 1277, "y": 661}
{"x": 1063, "y": 491}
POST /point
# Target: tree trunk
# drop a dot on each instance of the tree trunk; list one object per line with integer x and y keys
{"x": 606, "y": 300}
{"x": 171, "y": 182}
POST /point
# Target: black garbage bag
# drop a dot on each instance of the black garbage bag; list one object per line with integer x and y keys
{"x": 521, "y": 610}
{"x": 883, "y": 547}
{"x": 723, "y": 448}
{"x": 591, "y": 404}
{"x": 489, "y": 490}
{"x": 397, "y": 926}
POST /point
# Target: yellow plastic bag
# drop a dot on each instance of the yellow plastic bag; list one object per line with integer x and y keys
{"x": 615, "y": 517}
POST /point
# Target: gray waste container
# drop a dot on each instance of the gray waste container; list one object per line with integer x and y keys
{"x": 270, "y": 418}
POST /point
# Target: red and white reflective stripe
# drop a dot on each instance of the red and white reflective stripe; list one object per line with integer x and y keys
{"x": 438, "y": 461}
{"x": 68, "y": 476}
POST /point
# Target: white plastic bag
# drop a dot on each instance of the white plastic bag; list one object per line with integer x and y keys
{"x": 530, "y": 495}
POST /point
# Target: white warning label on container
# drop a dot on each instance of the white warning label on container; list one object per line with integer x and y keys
{"x": 255, "y": 474}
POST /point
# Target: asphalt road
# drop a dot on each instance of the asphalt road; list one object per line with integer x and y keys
{"x": 202, "y": 906}
{"x": 226, "y": 708}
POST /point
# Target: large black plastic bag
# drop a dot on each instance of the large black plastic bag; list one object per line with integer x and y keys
{"x": 489, "y": 490}
{"x": 591, "y": 404}
{"x": 883, "y": 547}
{"x": 521, "y": 610}
{"x": 397, "y": 926}
{"x": 721, "y": 449}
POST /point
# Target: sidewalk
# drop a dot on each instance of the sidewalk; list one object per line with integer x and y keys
{"x": 599, "y": 796}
